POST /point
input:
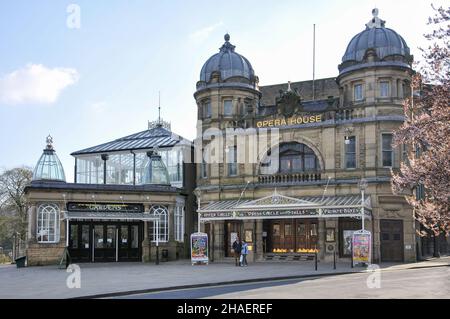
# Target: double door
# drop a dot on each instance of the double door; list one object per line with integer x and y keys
{"x": 105, "y": 242}
{"x": 293, "y": 235}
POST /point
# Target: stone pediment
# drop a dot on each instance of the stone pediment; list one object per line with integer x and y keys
{"x": 276, "y": 200}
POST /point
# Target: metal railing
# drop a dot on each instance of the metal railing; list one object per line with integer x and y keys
{"x": 293, "y": 178}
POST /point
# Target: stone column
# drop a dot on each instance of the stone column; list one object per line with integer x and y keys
{"x": 32, "y": 223}
{"x": 321, "y": 238}
{"x": 250, "y": 225}
{"x": 218, "y": 245}
{"x": 259, "y": 240}
{"x": 146, "y": 244}
{"x": 171, "y": 215}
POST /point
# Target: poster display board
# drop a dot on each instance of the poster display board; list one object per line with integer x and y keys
{"x": 199, "y": 248}
{"x": 362, "y": 247}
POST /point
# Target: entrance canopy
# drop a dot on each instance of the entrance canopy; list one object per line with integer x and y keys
{"x": 109, "y": 216}
{"x": 277, "y": 206}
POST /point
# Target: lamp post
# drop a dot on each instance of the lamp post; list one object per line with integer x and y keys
{"x": 198, "y": 193}
{"x": 362, "y": 187}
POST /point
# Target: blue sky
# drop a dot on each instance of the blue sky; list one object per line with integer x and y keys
{"x": 99, "y": 82}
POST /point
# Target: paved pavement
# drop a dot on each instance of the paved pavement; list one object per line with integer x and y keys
{"x": 422, "y": 283}
{"x": 100, "y": 278}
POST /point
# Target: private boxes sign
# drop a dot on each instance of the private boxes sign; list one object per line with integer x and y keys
{"x": 199, "y": 248}
{"x": 362, "y": 247}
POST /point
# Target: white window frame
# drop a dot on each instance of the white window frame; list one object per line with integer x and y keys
{"x": 45, "y": 213}
{"x": 163, "y": 213}
{"x": 179, "y": 223}
{"x": 358, "y": 98}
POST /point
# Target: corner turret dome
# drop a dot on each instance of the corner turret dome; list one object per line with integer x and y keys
{"x": 227, "y": 66}
{"x": 376, "y": 46}
{"x": 49, "y": 167}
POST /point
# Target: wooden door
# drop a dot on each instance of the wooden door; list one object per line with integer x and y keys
{"x": 391, "y": 237}
{"x": 306, "y": 234}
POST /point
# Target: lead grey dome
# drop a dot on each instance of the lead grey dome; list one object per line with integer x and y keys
{"x": 228, "y": 63}
{"x": 385, "y": 41}
{"x": 387, "y": 47}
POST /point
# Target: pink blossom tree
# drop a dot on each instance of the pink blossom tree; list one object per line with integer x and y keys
{"x": 426, "y": 132}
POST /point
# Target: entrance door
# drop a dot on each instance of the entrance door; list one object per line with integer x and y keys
{"x": 391, "y": 233}
{"x": 306, "y": 234}
{"x": 292, "y": 235}
{"x": 105, "y": 241}
{"x": 232, "y": 229}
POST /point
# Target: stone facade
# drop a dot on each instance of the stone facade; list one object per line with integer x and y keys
{"x": 366, "y": 115}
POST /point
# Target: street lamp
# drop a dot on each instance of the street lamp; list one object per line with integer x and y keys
{"x": 362, "y": 184}
{"x": 198, "y": 193}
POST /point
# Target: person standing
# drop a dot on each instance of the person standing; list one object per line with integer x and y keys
{"x": 244, "y": 253}
{"x": 237, "y": 250}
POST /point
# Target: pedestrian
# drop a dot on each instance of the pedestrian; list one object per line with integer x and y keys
{"x": 244, "y": 253}
{"x": 237, "y": 250}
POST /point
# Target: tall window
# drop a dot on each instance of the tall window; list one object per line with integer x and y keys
{"x": 296, "y": 157}
{"x": 203, "y": 169}
{"x": 227, "y": 108}
{"x": 207, "y": 109}
{"x": 48, "y": 223}
{"x": 384, "y": 89}
{"x": 387, "y": 153}
{"x": 420, "y": 192}
{"x": 350, "y": 152}
{"x": 179, "y": 223}
{"x": 358, "y": 92}
{"x": 163, "y": 231}
{"x": 232, "y": 161}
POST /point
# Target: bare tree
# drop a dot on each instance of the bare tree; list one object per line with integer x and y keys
{"x": 13, "y": 204}
{"x": 426, "y": 132}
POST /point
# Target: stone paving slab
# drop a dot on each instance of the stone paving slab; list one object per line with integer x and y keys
{"x": 103, "y": 278}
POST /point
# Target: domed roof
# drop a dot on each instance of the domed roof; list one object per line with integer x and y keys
{"x": 155, "y": 170}
{"x": 49, "y": 167}
{"x": 384, "y": 41}
{"x": 228, "y": 63}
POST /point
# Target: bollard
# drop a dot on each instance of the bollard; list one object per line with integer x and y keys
{"x": 334, "y": 260}
{"x": 315, "y": 260}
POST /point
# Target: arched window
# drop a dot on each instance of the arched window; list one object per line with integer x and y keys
{"x": 163, "y": 231}
{"x": 297, "y": 157}
{"x": 48, "y": 223}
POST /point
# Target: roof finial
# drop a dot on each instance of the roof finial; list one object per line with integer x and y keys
{"x": 289, "y": 86}
{"x": 227, "y": 46}
{"x": 375, "y": 22}
{"x": 49, "y": 141}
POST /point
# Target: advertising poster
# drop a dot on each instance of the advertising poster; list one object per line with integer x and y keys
{"x": 199, "y": 248}
{"x": 362, "y": 247}
{"x": 347, "y": 244}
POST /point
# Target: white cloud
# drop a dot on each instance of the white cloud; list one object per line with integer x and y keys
{"x": 35, "y": 83}
{"x": 203, "y": 34}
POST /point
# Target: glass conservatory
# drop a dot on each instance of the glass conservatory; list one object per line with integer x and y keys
{"x": 133, "y": 160}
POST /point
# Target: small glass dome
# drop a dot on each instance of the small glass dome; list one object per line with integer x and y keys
{"x": 49, "y": 168}
{"x": 155, "y": 170}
